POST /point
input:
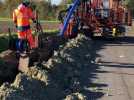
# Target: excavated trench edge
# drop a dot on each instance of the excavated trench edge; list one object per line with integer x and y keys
{"x": 14, "y": 62}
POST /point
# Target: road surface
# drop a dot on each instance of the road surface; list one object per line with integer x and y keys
{"x": 115, "y": 68}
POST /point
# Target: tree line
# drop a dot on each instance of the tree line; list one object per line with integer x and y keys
{"x": 46, "y": 10}
{"x": 44, "y": 7}
{"x": 130, "y": 4}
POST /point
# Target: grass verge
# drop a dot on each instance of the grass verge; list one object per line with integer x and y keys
{"x": 3, "y": 43}
{"x": 4, "y": 39}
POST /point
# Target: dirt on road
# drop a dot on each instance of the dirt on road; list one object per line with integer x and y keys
{"x": 81, "y": 69}
{"x": 66, "y": 76}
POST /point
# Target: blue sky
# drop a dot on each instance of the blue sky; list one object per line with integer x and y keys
{"x": 56, "y": 1}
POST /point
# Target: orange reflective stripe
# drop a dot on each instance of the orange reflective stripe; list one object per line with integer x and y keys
{"x": 23, "y": 17}
{"x": 14, "y": 17}
{"x": 22, "y": 22}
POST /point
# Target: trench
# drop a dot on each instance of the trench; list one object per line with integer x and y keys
{"x": 8, "y": 67}
{"x": 9, "y": 63}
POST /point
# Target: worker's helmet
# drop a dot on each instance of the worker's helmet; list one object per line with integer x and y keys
{"x": 26, "y": 2}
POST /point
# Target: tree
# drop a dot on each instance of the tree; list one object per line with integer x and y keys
{"x": 1, "y": 5}
{"x": 66, "y": 2}
{"x": 44, "y": 7}
{"x": 9, "y": 6}
{"x": 130, "y": 4}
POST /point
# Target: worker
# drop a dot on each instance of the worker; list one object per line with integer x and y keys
{"x": 21, "y": 18}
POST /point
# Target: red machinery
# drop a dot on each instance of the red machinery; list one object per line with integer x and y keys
{"x": 102, "y": 17}
{"x": 106, "y": 17}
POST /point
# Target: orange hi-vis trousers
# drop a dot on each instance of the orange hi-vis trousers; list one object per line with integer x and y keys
{"x": 27, "y": 34}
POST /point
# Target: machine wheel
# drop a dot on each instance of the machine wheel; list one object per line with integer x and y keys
{"x": 88, "y": 33}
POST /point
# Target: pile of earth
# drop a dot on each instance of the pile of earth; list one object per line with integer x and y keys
{"x": 65, "y": 76}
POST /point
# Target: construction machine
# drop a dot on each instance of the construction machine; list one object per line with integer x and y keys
{"x": 105, "y": 18}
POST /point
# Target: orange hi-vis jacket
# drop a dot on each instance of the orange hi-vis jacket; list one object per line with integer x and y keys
{"x": 22, "y": 15}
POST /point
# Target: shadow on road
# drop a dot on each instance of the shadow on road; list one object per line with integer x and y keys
{"x": 117, "y": 64}
{"x": 100, "y": 43}
{"x": 128, "y": 40}
{"x": 74, "y": 73}
{"x": 70, "y": 76}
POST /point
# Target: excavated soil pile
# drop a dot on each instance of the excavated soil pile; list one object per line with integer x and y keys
{"x": 8, "y": 66}
{"x": 63, "y": 77}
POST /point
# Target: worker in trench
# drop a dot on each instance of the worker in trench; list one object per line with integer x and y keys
{"x": 21, "y": 18}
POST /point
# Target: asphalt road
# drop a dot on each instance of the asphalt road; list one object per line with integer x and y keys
{"x": 115, "y": 61}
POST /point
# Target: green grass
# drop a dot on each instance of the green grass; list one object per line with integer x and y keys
{"x": 4, "y": 38}
{"x": 51, "y": 31}
{"x": 8, "y": 21}
{"x": 51, "y": 21}
{"x": 46, "y": 21}
{"x": 5, "y": 19}
{"x": 3, "y": 43}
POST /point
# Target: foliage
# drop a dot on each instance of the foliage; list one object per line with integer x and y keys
{"x": 130, "y": 4}
{"x": 3, "y": 43}
{"x": 45, "y": 9}
{"x": 67, "y": 1}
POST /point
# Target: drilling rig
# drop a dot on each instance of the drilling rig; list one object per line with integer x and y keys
{"x": 105, "y": 18}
